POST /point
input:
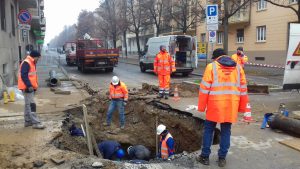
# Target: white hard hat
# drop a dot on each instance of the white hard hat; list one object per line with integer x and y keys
{"x": 160, "y": 129}
{"x": 128, "y": 149}
{"x": 115, "y": 80}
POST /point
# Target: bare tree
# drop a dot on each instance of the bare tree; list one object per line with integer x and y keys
{"x": 155, "y": 8}
{"x": 68, "y": 34}
{"x": 86, "y": 24}
{"x": 185, "y": 13}
{"x": 286, "y": 4}
{"x": 137, "y": 19}
{"x": 230, "y": 9}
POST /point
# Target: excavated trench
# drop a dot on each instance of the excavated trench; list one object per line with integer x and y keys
{"x": 142, "y": 115}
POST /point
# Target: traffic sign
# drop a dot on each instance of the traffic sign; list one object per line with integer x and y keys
{"x": 25, "y": 33}
{"x": 24, "y": 26}
{"x": 212, "y": 27}
{"x": 212, "y": 37}
{"x": 297, "y": 50}
{"x": 24, "y": 16}
{"x": 212, "y": 16}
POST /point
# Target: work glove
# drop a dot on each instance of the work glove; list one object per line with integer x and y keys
{"x": 125, "y": 103}
{"x": 29, "y": 90}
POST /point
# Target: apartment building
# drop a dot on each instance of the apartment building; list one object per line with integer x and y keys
{"x": 15, "y": 42}
{"x": 261, "y": 28}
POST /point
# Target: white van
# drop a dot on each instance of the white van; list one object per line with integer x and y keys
{"x": 291, "y": 78}
{"x": 182, "y": 48}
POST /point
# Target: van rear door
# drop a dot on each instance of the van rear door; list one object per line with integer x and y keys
{"x": 291, "y": 79}
{"x": 194, "y": 52}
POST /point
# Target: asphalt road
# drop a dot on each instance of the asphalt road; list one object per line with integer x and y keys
{"x": 128, "y": 73}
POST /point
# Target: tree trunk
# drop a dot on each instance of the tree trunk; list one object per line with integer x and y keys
{"x": 137, "y": 37}
{"x": 115, "y": 40}
{"x": 157, "y": 30}
{"x": 125, "y": 43}
{"x": 225, "y": 24}
{"x": 298, "y": 11}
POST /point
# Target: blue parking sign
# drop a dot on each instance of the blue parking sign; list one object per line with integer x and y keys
{"x": 212, "y": 10}
{"x": 212, "y": 14}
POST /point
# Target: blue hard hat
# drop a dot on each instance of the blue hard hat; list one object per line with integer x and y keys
{"x": 120, "y": 153}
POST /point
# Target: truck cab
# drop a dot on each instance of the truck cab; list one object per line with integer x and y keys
{"x": 70, "y": 51}
{"x": 182, "y": 48}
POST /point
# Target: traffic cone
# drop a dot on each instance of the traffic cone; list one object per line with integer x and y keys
{"x": 12, "y": 96}
{"x": 247, "y": 115}
{"x": 176, "y": 95}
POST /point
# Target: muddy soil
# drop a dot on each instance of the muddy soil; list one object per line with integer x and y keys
{"x": 141, "y": 114}
{"x": 184, "y": 89}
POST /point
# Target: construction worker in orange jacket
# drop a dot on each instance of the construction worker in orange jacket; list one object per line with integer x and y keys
{"x": 166, "y": 148}
{"x": 239, "y": 57}
{"x": 28, "y": 84}
{"x": 164, "y": 65}
{"x": 118, "y": 94}
{"x": 223, "y": 93}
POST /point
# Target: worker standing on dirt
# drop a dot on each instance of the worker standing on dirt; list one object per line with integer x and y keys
{"x": 223, "y": 93}
{"x": 138, "y": 152}
{"x": 111, "y": 150}
{"x": 118, "y": 94}
{"x": 28, "y": 84}
{"x": 164, "y": 65}
{"x": 166, "y": 148}
{"x": 239, "y": 57}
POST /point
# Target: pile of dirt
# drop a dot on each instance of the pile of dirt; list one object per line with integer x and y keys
{"x": 142, "y": 115}
{"x": 184, "y": 89}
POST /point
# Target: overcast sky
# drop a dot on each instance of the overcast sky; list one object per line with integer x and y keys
{"x": 59, "y": 13}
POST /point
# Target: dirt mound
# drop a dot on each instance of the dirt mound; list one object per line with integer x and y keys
{"x": 184, "y": 89}
{"x": 141, "y": 114}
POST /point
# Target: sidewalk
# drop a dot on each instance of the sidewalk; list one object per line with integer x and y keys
{"x": 19, "y": 146}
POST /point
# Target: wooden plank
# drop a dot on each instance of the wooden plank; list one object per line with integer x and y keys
{"x": 87, "y": 130}
{"x": 95, "y": 145}
{"x": 292, "y": 143}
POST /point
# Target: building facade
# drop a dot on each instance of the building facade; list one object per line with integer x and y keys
{"x": 15, "y": 42}
{"x": 261, "y": 28}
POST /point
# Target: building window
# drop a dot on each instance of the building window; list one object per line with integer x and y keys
{"x": 13, "y": 24}
{"x": 5, "y": 69}
{"x": 293, "y": 1}
{"x": 2, "y": 13}
{"x": 240, "y": 36}
{"x": 220, "y": 37}
{"x": 203, "y": 37}
{"x": 261, "y": 32}
{"x": 261, "y": 5}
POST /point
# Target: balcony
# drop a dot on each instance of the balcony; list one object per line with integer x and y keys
{"x": 25, "y": 4}
{"x": 242, "y": 16}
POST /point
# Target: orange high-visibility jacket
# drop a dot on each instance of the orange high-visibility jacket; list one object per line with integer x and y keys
{"x": 118, "y": 92}
{"x": 164, "y": 64}
{"x": 240, "y": 60}
{"x": 223, "y": 92}
{"x": 164, "y": 147}
{"x": 32, "y": 74}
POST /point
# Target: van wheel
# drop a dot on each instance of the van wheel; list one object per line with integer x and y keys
{"x": 142, "y": 67}
{"x": 185, "y": 74}
{"x": 109, "y": 69}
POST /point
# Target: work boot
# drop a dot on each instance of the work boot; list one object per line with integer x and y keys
{"x": 27, "y": 124}
{"x": 166, "y": 96}
{"x": 160, "y": 96}
{"x": 221, "y": 162}
{"x": 203, "y": 160}
{"x": 123, "y": 127}
{"x": 38, "y": 126}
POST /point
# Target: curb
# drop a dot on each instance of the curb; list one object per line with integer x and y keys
{"x": 129, "y": 63}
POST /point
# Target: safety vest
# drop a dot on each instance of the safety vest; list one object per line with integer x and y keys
{"x": 223, "y": 92}
{"x": 118, "y": 91}
{"x": 240, "y": 60}
{"x": 32, "y": 74}
{"x": 164, "y": 64}
{"x": 164, "y": 147}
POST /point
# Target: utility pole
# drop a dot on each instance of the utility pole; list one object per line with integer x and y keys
{"x": 225, "y": 24}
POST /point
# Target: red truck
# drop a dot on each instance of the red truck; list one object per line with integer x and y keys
{"x": 70, "y": 50}
{"x": 93, "y": 55}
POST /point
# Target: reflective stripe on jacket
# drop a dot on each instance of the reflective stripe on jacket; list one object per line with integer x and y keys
{"x": 118, "y": 92}
{"x": 164, "y": 64}
{"x": 32, "y": 74}
{"x": 240, "y": 60}
{"x": 223, "y": 92}
{"x": 164, "y": 147}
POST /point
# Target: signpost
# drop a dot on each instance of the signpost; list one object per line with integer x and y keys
{"x": 212, "y": 25}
